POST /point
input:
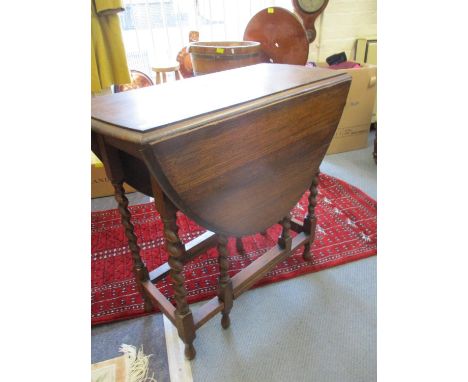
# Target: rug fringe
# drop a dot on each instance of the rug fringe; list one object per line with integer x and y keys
{"x": 137, "y": 364}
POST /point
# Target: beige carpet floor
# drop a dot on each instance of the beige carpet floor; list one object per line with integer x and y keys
{"x": 318, "y": 327}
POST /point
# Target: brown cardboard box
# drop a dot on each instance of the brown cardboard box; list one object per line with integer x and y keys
{"x": 354, "y": 125}
{"x": 366, "y": 52}
{"x": 349, "y": 138}
{"x": 100, "y": 184}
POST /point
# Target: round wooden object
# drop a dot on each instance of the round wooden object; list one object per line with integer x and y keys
{"x": 281, "y": 34}
{"x": 216, "y": 56}
{"x": 308, "y": 11}
{"x": 139, "y": 80}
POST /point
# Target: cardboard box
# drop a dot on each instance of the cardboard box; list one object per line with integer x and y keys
{"x": 355, "y": 121}
{"x": 100, "y": 184}
{"x": 348, "y": 139}
{"x": 366, "y": 52}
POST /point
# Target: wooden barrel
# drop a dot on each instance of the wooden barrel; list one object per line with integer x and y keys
{"x": 216, "y": 56}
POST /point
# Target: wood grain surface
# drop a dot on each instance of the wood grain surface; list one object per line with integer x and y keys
{"x": 237, "y": 159}
{"x": 242, "y": 175}
{"x": 234, "y": 153}
{"x": 283, "y": 37}
{"x": 155, "y": 107}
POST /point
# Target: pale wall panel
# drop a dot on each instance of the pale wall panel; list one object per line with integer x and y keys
{"x": 342, "y": 22}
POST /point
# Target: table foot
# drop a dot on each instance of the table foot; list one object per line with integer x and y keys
{"x": 225, "y": 291}
{"x": 225, "y": 321}
{"x": 190, "y": 351}
{"x": 306, "y": 255}
{"x": 186, "y": 329}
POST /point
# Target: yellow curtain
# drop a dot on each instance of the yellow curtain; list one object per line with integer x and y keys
{"x": 108, "y": 60}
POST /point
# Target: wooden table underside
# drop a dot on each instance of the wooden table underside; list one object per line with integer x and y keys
{"x": 241, "y": 282}
{"x": 229, "y": 289}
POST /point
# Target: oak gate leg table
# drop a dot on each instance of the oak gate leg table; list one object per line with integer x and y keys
{"x": 234, "y": 151}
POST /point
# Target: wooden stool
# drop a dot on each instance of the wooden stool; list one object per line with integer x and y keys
{"x": 173, "y": 67}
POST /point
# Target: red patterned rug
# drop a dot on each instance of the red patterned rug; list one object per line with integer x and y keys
{"x": 346, "y": 231}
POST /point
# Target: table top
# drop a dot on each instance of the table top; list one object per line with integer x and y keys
{"x": 158, "y": 107}
{"x": 233, "y": 150}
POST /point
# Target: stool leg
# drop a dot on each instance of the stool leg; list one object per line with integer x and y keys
{"x": 225, "y": 291}
{"x": 177, "y": 75}
{"x": 310, "y": 220}
{"x": 164, "y": 77}
{"x": 184, "y": 319}
{"x": 158, "y": 78}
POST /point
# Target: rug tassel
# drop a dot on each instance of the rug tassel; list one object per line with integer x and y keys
{"x": 137, "y": 364}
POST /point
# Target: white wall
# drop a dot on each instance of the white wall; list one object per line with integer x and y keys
{"x": 340, "y": 24}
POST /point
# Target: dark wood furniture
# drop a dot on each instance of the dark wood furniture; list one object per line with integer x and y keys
{"x": 215, "y": 56}
{"x": 374, "y": 153}
{"x": 235, "y": 156}
{"x": 283, "y": 38}
{"x": 309, "y": 11}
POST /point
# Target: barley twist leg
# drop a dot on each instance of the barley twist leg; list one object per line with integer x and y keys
{"x": 225, "y": 291}
{"x": 239, "y": 245}
{"x": 285, "y": 240}
{"x": 139, "y": 269}
{"x": 310, "y": 220}
{"x": 184, "y": 319}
